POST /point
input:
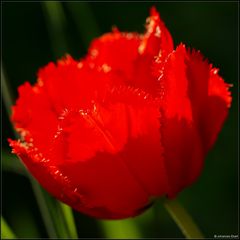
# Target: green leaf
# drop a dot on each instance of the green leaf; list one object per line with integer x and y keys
{"x": 69, "y": 220}
{"x": 11, "y": 163}
{"x": 63, "y": 219}
{"x": 6, "y": 232}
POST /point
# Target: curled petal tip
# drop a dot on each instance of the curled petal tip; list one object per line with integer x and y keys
{"x": 154, "y": 12}
{"x": 115, "y": 29}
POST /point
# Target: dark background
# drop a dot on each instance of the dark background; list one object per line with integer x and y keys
{"x": 212, "y": 27}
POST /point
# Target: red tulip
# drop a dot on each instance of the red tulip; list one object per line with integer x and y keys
{"x": 132, "y": 121}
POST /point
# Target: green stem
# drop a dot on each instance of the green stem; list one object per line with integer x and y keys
{"x": 120, "y": 229}
{"x": 6, "y": 232}
{"x": 183, "y": 219}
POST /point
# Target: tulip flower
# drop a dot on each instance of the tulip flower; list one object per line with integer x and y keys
{"x": 130, "y": 122}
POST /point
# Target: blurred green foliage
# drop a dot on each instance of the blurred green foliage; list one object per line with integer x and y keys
{"x": 27, "y": 44}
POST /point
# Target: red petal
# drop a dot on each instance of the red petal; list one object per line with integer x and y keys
{"x": 48, "y": 175}
{"x": 196, "y": 102}
{"x": 126, "y": 128}
{"x": 71, "y": 84}
{"x": 143, "y": 151}
{"x": 130, "y": 56}
{"x": 209, "y": 96}
{"x": 180, "y": 138}
{"x": 102, "y": 187}
{"x": 125, "y": 66}
{"x": 116, "y": 51}
{"x": 32, "y": 114}
{"x": 107, "y": 184}
{"x": 175, "y": 86}
{"x": 59, "y": 87}
{"x": 157, "y": 40}
{"x": 154, "y": 48}
{"x": 101, "y": 151}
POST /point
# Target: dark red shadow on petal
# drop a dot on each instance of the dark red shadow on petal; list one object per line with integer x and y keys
{"x": 101, "y": 188}
{"x": 107, "y": 184}
{"x": 209, "y": 95}
{"x": 182, "y": 153}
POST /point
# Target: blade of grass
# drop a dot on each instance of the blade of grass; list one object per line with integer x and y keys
{"x": 43, "y": 202}
{"x": 62, "y": 216}
{"x": 51, "y": 210}
{"x": 85, "y": 22}
{"x": 68, "y": 216}
{"x": 6, "y": 92}
{"x": 11, "y": 163}
{"x": 58, "y": 218}
{"x": 56, "y": 24}
{"x": 40, "y": 196}
{"x": 120, "y": 229}
{"x": 6, "y": 232}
